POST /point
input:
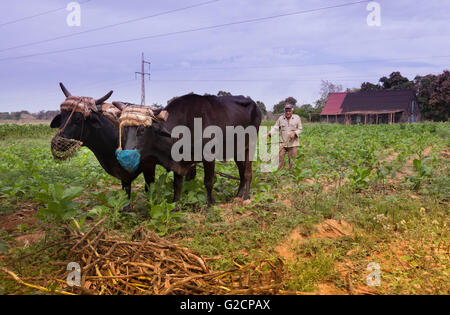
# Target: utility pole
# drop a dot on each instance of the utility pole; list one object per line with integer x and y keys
{"x": 143, "y": 74}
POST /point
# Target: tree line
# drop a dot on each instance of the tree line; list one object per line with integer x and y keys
{"x": 433, "y": 95}
{"x": 24, "y": 114}
{"x": 433, "y": 92}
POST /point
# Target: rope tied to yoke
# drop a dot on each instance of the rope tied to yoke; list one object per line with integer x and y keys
{"x": 139, "y": 115}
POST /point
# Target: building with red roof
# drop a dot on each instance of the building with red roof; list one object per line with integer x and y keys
{"x": 372, "y": 107}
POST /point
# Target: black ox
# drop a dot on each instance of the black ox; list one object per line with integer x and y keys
{"x": 101, "y": 136}
{"x": 156, "y": 142}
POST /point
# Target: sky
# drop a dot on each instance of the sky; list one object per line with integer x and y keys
{"x": 268, "y": 59}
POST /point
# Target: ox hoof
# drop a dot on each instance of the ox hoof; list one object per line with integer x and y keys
{"x": 176, "y": 209}
{"x": 126, "y": 209}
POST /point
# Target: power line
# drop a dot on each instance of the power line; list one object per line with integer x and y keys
{"x": 37, "y": 15}
{"x": 188, "y": 30}
{"x": 110, "y": 25}
{"x": 247, "y": 80}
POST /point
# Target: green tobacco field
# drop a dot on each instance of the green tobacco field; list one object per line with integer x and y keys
{"x": 357, "y": 195}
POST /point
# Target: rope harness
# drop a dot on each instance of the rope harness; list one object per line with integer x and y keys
{"x": 137, "y": 115}
{"x": 112, "y": 113}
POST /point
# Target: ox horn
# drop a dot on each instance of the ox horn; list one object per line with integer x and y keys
{"x": 119, "y": 105}
{"x": 65, "y": 91}
{"x": 104, "y": 98}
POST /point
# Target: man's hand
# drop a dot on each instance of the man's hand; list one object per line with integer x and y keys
{"x": 293, "y": 135}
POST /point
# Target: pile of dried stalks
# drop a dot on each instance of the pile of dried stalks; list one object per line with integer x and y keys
{"x": 149, "y": 264}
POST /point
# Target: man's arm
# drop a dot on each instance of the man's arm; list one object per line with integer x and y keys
{"x": 275, "y": 128}
{"x": 299, "y": 127}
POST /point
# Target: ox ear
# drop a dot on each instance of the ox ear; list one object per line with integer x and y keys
{"x": 161, "y": 130}
{"x": 56, "y": 122}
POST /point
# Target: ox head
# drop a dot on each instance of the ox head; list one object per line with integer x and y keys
{"x": 140, "y": 128}
{"x": 78, "y": 115}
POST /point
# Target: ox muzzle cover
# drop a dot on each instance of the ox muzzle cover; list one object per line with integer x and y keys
{"x": 63, "y": 148}
{"x": 129, "y": 159}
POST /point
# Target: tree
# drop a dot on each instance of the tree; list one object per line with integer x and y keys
{"x": 440, "y": 97}
{"x": 327, "y": 87}
{"x": 279, "y": 108}
{"x": 396, "y": 82}
{"x": 425, "y": 86}
{"x": 262, "y": 107}
{"x": 306, "y": 111}
{"x": 224, "y": 93}
{"x": 367, "y": 86}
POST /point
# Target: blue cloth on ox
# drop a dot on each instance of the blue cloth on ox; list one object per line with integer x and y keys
{"x": 129, "y": 159}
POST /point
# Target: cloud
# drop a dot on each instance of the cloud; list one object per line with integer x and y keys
{"x": 267, "y": 60}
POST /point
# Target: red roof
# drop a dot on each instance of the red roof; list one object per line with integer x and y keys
{"x": 334, "y": 104}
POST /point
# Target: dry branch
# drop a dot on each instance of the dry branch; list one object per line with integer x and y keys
{"x": 149, "y": 264}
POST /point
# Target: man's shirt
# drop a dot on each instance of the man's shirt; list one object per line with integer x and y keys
{"x": 286, "y": 126}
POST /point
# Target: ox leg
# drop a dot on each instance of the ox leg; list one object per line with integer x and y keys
{"x": 149, "y": 176}
{"x": 177, "y": 185}
{"x": 127, "y": 187}
{"x": 248, "y": 179}
{"x": 248, "y": 174}
{"x": 241, "y": 168}
{"x": 192, "y": 173}
{"x": 209, "y": 180}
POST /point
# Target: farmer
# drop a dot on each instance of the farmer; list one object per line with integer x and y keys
{"x": 290, "y": 127}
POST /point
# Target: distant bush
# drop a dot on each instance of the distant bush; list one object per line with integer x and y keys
{"x": 8, "y": 131}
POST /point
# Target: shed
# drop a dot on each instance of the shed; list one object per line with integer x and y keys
{"x": 372, "y": 107}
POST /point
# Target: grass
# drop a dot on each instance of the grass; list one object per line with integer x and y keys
{"x": 363, "y": 175}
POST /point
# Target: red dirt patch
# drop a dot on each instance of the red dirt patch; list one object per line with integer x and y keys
{"x": 391, "y": 157}
{"x": 227, "y": 210}
{"x": 445, "y": 154}
{"x": 27, "y": 239}
{"x": 9, "y": 223}
{"x": 328, "y": 288}
{"x": 329, "y": 228}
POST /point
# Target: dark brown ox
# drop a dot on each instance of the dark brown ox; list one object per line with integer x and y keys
{"x": 156, "y": 142}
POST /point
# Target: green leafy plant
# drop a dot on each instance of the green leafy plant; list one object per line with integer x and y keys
{"x": 162, "y": 214}
{"x": 422, "y": 172}
{"x": 4, "y": 237}
{"x": 360, "y": 177}
{"x": 60, "y": 202}
{"x": 163, "y": 218}
{"x": 111, "y": 207}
